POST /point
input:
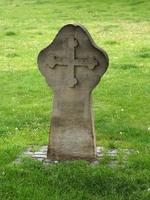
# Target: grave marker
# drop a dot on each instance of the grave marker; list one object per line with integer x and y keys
{"x": 72, "y": 66}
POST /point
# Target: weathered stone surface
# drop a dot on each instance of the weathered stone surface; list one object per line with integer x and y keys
{"x": 72, "y": 66}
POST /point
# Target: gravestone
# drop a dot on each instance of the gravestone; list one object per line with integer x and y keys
{"x": 72, "y": 66}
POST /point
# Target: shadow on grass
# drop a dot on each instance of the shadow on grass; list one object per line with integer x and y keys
{"x": 10, "y": 33}
{"x": 143, "y": 53}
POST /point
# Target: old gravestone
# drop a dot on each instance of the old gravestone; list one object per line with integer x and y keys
{"x": 72, "y": 66}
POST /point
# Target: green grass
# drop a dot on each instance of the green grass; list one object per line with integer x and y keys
{"x": 120, "y": 101}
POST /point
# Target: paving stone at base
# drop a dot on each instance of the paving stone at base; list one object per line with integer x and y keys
{"x": 41, "y": 155}
{"x": 112, "y": 152}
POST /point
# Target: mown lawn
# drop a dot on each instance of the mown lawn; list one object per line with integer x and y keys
{"x": 120, "y": 102}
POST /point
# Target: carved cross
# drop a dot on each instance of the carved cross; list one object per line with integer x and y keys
{"x": 71, "y": 61}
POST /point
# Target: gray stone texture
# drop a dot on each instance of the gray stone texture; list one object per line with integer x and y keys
{"x": 72, "y": 66}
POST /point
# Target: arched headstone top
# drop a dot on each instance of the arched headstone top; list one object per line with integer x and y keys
{"x": 73, "y": 60}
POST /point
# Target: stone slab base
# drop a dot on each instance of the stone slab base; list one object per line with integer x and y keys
{"x": 41, "y": 155}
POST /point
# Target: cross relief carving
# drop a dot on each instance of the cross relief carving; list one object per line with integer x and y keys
{"x": 71, "y": 61}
